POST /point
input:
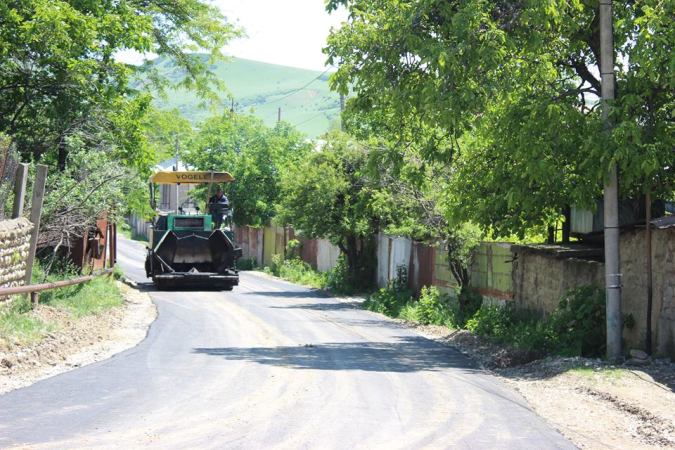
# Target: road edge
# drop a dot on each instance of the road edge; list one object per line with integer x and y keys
{"x": 138, "y": 314}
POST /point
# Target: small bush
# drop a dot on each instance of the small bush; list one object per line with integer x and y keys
{"x": 246, "y": 264}
{"x": 579, "y": 322}
{"x": 575, "y": 328}
{"x": 492, "y": 321}
{"x": 296, "y": 271}
{"x": 338, "y": 278}
{"x": 388, "y": 301}
{"x": 434, "y": 308}
{"x": 468, "y": 303}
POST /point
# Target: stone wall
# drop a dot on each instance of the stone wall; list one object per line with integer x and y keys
{"x": 634, "y": 288}
{"x": 540, "y": 279}
{"x": 14, "y": 244}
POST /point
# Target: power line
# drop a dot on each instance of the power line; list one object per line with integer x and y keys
{"x": 295, "y": 91}
{"x": 308, "y": 120}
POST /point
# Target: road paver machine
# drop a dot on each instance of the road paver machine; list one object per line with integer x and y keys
{"x": 185, "y": 249}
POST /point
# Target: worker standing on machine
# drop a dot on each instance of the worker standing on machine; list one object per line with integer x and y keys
{"x": 218, "y": 203}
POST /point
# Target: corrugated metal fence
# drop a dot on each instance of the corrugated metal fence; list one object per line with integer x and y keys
{"x": 426, "y": 265}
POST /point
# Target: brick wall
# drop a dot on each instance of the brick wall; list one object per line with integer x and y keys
{"x": 14, "y": 244}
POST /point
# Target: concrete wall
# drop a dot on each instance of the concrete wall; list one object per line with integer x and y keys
{"x": 327, "y": 255}
{"x": 492, "y": 271}
{"x": 540, "y": 279}
{"x": 14, "y": 246}
{"x": 635, "y": 283}
{"x": 139, "y": 226}
{"x": 392, "y": 252}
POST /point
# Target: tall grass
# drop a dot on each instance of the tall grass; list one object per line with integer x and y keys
{"x": 17, "y": 324}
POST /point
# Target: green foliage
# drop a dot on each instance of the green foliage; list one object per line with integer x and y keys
{"x": 163, "y": 129}
{"x": 93, "y": 297}
{"x": 339, "y": 279}
{"x": 246, "y": 264}
{"x": 297, "y": 271}
{"x": 17, "y": 324}
{"x": 257, "y": 157}
{"x": 575, "y": 328}
{"x": 388, "y": 301}
{"x": 502, "y": 97}
{"x": 92, "y": 184}
{"x": 434, "y": 308}
{"x": 328, "y": 196}
{"x": 579, "y": 322}
{"x": 59, "y": 75}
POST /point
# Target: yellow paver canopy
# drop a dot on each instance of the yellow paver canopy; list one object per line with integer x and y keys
{"x": 172, "y": 177}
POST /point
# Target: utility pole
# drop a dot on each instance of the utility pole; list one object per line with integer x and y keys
{"x": 175, "y": 168}
{"x": 611, "y": 192}
{"x": 279, "y": 114}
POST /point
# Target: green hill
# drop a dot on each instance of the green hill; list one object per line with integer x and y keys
{"x": 261, "y": 88}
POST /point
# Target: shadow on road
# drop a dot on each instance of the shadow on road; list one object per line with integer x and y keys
{"x": 335, "y": 306}
{"x": 409, "y": 354}
{"x": 290, "y": 294}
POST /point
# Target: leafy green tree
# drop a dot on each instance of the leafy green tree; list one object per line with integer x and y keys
{"x": 513, "y": 88}
{"x": 255, "y": 154}
{"x": 162, "y": 129}
{"x": 59, "y": 75}
{"x": 329, "y": 195}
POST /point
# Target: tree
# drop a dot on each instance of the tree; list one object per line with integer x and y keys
{"x": 255, "y": 154}
{"x": 329, "y": 195}
{"x": 58, "y": 70}
{"x": 512, "y": 86}
{"x": 162, "y": 128}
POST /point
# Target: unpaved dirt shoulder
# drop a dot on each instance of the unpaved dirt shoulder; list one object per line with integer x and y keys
{"x": 77, "y": 342}
{"x": 592, "y": 403}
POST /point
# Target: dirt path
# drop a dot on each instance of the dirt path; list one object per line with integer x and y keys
{"x": 595, "y": 405}
{"x": 77, "y": 342}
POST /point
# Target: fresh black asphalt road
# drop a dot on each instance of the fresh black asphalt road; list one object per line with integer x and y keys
{"x": 271, "y": 365}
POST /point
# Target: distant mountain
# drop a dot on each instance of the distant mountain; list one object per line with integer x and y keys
{"x": 261, "y": 88}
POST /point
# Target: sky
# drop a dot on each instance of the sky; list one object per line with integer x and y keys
{"x": 287, "y": 32}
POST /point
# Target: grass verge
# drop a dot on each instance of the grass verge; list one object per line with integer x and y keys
{"x": 20, "y": 324}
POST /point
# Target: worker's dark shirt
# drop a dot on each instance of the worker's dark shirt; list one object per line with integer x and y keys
{"x": 222, "y": 201}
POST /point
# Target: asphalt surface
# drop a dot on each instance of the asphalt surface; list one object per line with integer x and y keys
{"x": 271, "y": 365}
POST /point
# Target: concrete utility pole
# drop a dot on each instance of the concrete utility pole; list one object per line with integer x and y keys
{"x": 611, "y": 194}
{"x": 279, "y": 115}
{"x": 175, "y": 168}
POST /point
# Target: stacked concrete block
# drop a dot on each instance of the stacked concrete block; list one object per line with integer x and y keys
{"x": 14, "y": 246}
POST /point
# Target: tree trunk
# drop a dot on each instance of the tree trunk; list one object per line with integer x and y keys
{"x": 567, "y": 225}
{"x": 551, "y": 235}
{"x": 62, "y": 155}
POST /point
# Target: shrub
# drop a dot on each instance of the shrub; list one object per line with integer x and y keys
{"x": 296, "y": 271}
{"x": 492, "y": 321}
{"x": 388, "y": 301}
{"x": 246, "y": 264}
{"x": 579, "y": 322}
{"x": 434, "y": 308}
{"x": 469, "y": 302}
{"x": 338, "y": 278}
